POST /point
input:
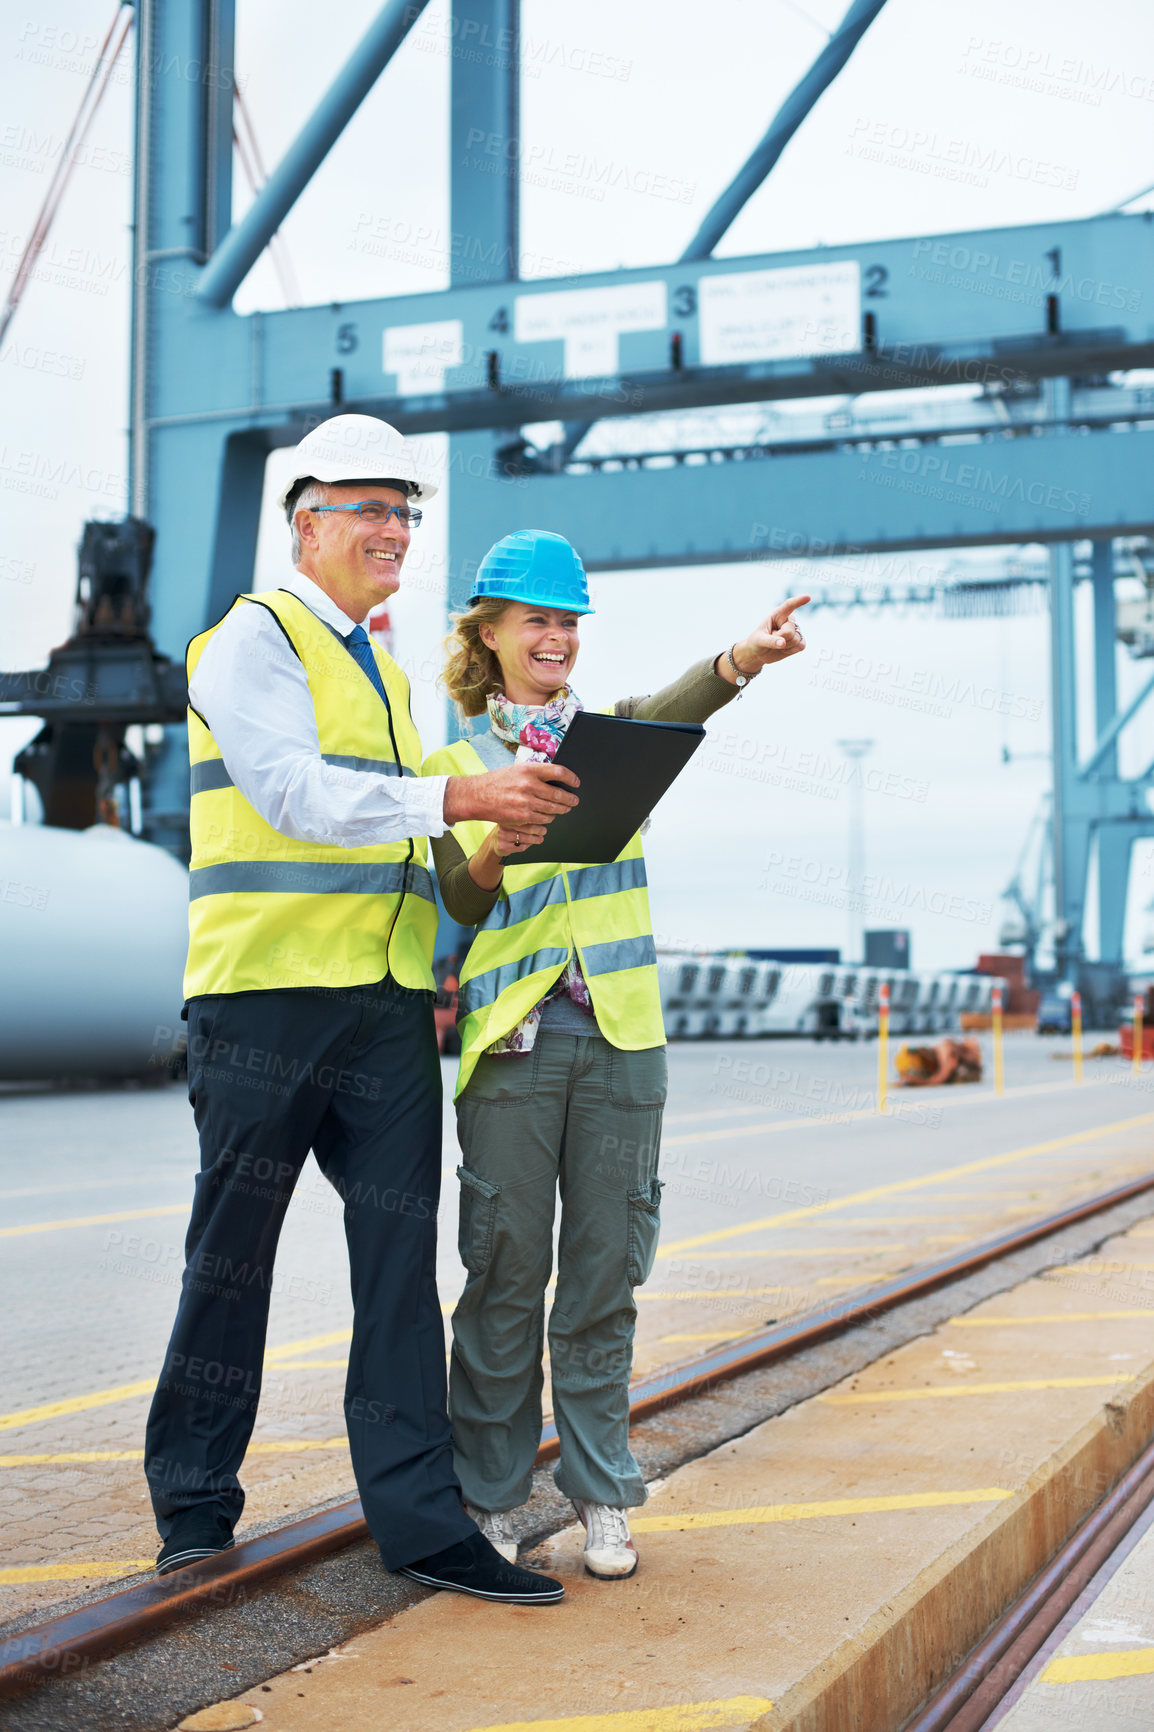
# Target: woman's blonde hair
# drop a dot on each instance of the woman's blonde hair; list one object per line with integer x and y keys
{"x": 472, "y": 671}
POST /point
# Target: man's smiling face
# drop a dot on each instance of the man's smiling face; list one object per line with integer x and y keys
{"x": 356, "y": 563}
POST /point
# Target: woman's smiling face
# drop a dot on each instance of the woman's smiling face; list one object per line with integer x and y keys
{"x": 536, "y": 647}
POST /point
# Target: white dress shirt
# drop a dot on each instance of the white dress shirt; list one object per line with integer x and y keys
{"x": 251, "y": 688}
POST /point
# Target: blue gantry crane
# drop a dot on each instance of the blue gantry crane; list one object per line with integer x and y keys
{"x": 1046, "y": 320}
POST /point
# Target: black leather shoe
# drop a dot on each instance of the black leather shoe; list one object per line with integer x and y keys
{"x": 195, "y": 1536}
{"x": 473, "y": 1566}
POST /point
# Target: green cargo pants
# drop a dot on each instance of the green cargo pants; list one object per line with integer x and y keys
{"x": 578, "y": 1113}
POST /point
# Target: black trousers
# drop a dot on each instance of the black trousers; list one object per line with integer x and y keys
{"x": 353, "y": 1076}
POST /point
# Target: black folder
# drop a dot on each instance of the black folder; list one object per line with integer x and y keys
{"x": 625, "y": 767}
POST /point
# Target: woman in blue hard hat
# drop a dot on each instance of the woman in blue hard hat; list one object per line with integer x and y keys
{"x": 562, "y": 1079}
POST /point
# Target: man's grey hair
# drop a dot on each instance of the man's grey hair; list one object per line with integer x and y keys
{"x": 312, "y": 494}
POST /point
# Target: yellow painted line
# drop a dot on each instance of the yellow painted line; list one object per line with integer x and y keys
{"x": 994, "y": 1195}
{"x": 1042, "y": 1317}
{"x": 809, "y": 1251}
{"x": 944, "y": 1391}
{"x": 771, "y": 1125}
{"x": 76, "y": 1404}
{"x": 1095, "y": 1268}
{"x": 862, "y": 1280}
{"x": 277, "y": 1446}
{"x": 73, "y": 1572}
{"x": 805, "y": 1251}
{"x": 310, "y": 1344}
{"x": 834, "y": 1116}
{"x": 710, "y": 1335}
{"x": 312, "y": 1364}
{"x": 685, "y": 1717}
{"x": 910, "y": 1220}
{"x": 290, "y": 1445}
{"x": 713, "y": 1293}
{"x": 902, "y": 1108}
{"x": 800, "y": 1512}
{"x": 54, "y": 1460}
{"x": 145, "y": 1386}
{"x": 1087, "y": 1668}
{"x": 94, "y": 1220}
{"x": 905, "y": 1185}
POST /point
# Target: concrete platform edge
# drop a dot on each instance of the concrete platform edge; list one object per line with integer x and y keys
{"x": 883, "y": 1675}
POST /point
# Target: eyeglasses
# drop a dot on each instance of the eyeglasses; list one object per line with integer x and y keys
{"x": 376, "y": 511}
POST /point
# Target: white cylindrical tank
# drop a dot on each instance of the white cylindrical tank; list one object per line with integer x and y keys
{"x": 93, "y": 934}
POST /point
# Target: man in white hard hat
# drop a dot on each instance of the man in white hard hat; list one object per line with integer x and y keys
{"x": 310, "y": 1018}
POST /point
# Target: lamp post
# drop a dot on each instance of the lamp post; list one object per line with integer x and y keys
{"x": 855, "y": 751}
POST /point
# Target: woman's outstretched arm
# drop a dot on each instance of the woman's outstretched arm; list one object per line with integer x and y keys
{"x": 708, "y": 685}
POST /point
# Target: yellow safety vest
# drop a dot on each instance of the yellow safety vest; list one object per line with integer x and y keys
{"x": 543, "y": 914}
{"x": 269, "y": 911}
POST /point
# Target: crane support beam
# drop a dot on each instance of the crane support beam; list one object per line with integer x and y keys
{"x": 796, "y": 108}
{"x": 484, "y": 213}
{"x": 1110, "y": 734}
{"x": 243, "y": 245}
{"x": 1050, "y": 487}
{"x": 874, "y": 317}
{"x": 761, "y": 161}
{"x": 990, "y": 307}
{"x": 222, "y": 389}
{"x": 545, "y": 398}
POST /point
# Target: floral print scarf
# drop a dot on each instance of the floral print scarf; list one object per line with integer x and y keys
{"x": 537, "y": 730}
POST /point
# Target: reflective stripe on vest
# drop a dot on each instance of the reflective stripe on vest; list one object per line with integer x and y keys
{"x": 606, "y": 880}
{"x": 267, "y": 910}
{"x": 211, "y": 774}
{"x": 310, "y": 878}
{"x": 487, "y": 988}
{"x": 523, "y": 904}
{"x": 618, "y": 953}
{"x": 543, "y": 916}
{"x": 375, "y": 766}
{"x": 207, "y": 777}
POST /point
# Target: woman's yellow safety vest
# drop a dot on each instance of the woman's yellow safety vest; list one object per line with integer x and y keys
{"x": 269, "y": 911}
{"x": 543, "y": 914}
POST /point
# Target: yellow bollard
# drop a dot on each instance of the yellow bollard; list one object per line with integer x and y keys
{"x": 883, "y": 1044}
{"x": 999, "y": 1074}
{"x": 1138, "y": 1032}
{"x": 1076, "y": 1031}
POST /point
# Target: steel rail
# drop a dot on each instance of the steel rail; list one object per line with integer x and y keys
{"x": 65, "y": 1644}
{"x": 996, "y": 1664}
{"x": 753, "y": 1352}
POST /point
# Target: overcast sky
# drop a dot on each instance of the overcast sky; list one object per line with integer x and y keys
{"x": 751, "y": 849}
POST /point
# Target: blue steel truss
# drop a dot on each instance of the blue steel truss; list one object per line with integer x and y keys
{"x": 1013, "y": 312}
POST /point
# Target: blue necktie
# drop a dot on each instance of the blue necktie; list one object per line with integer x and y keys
{"x": 358, "y": 645}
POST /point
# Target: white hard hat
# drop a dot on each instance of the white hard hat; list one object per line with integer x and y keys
{"x": 356, "y": 448}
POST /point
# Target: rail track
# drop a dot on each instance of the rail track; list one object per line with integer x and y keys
{"x": 979, "y": 1686}
{"x": 68, "y": 1642}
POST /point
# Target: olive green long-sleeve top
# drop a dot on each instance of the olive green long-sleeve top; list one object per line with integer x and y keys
{"x": 692, "y": 698}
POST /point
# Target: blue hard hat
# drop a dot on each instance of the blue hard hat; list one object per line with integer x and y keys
{"x": 533, "y": 565}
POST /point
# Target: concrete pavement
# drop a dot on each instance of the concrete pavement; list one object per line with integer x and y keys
{"x": 783, "y": 1188}
{"x": 825, "y": 1571}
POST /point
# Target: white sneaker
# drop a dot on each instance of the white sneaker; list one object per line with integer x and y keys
{"x": 609, "y": 1552}
{"x": 497, "y": 1527}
